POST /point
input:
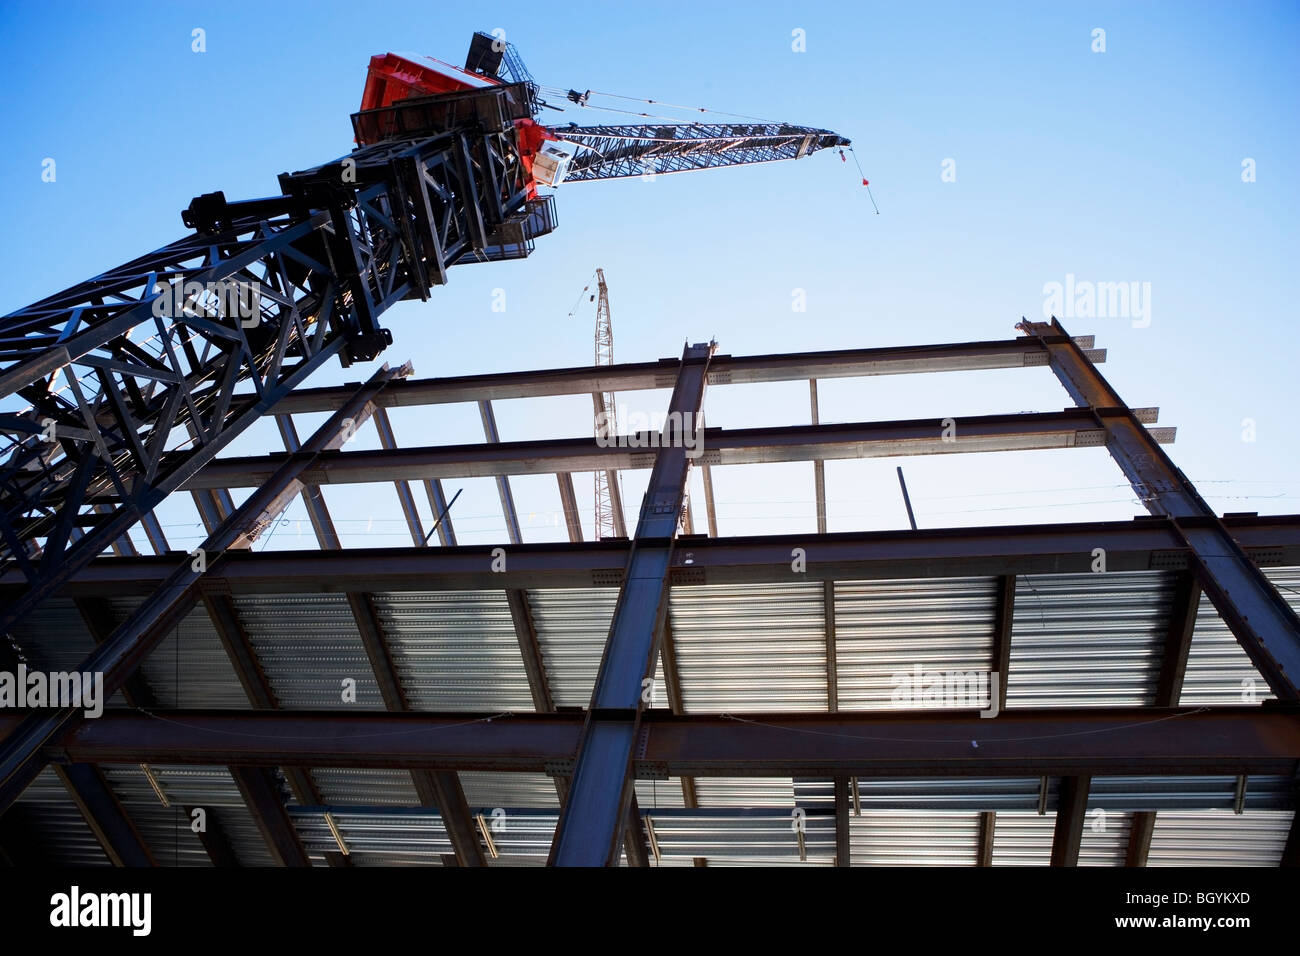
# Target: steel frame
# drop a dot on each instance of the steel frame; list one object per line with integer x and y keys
{"x": 595, "y": 755}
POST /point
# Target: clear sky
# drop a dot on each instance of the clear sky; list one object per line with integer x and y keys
{"x": 1005, "y": 152}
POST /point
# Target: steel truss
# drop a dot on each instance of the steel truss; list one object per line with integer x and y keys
{"x": 122, "y": 388}
{"x": 616, "y": 152}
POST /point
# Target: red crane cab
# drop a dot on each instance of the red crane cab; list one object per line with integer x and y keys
{"x": 394, "y": 77}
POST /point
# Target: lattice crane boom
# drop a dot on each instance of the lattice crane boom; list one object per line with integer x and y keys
{"x": 617, "y": 152}
{"x": 116, "y": 391}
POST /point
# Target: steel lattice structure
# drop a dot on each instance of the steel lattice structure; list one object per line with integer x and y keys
{"x": 118, "y": 392}
{"x": 617, "y": 152}
{"x": 608, "y": 520}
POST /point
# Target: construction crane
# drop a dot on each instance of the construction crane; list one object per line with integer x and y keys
{"x": 609, "y": 506}
{"x": 118, "y": 390}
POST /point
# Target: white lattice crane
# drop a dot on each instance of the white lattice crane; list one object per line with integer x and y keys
{"x": 608, "y": 516}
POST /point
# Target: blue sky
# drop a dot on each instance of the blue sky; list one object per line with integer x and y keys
{"x": 1115, "y": 166}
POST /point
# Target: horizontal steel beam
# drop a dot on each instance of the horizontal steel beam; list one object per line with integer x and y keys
{"x": 1071, "y": 428}
{"x": 1091, "y": 741}
{"x": 724, "y": 370}
{"x": 1138, "y": 545}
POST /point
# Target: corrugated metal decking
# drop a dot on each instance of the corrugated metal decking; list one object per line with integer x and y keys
{"x": 1218, "y": 670}
{"x": 1219, "y": 838}
{"x": 914, "y": 838}
{"x": 1088, "y": 640}
{"x": 309, "y": 646}
{"x": 885, "y": 629}
{"x": 750, "y": 647}
{"x": 455, "y": 650}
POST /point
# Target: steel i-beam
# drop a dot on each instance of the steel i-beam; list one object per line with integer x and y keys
{"x": 591, "y": 824}
{"x": 1085, "y": 741}
{"x": 1260, "y": 618}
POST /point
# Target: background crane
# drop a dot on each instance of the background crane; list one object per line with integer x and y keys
{"x": 115, "y": 392}
{"x": 609, "y": 506}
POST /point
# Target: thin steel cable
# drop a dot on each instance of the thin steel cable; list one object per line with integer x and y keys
{"x": 678, "y": 106}
{"x": 964, "y": 740}
{"x": 863, "y": 175}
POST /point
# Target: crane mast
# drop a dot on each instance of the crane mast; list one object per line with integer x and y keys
{"x": 608, "y": 522}
{"x": 117, "y": 391}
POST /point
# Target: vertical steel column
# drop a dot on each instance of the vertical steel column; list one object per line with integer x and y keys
{"x": 1140, "y": 829}
{"x": 530, "y": 649}
{"x": 449, "y": 796}
{"x": 441, "y": 512}
{"x": 1178, "y": 640}
{"x": 709, "y": 510}
{"x": 1258, "y": 616}
{"x": 988, "y": 830}
{"x": 611, "y": 476}
{"x": 569, "y": 504}
{"x": 819, "y": 466}
{"x": 1071, "y": 808}
{"x": 503, "y": 483}
{"x": 1004, "y": 619}
{"x": 843, "y": 840}
{"x": 215, "y": 840}
{"x": 1291, "y": 849}
{"x": 97, "y": 614}
{"x": 635, "y": 842}
{"x": 258, "y": 787}
{"x": 438, "y": 789}
{"x": 676, "y": 703}
{"x": 319, "y": 514}
{"x": 105, "y": 815}
{"x": 832, "y": 654}
{"x": 591, "y": 823}
{"x": 388, "y": 441}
